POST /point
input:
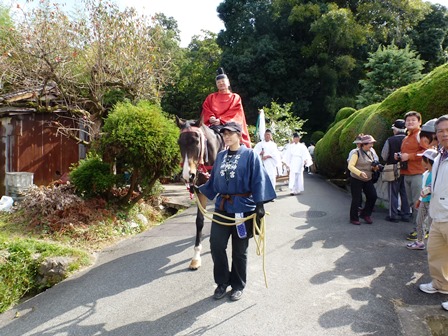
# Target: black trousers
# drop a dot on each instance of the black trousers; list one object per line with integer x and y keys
{"x": 357, "y": 187}
{"x": 236, "y": 275}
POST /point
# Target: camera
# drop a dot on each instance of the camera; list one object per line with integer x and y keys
{"x": 403, "y": 164}
{"x": 377, "y": 166}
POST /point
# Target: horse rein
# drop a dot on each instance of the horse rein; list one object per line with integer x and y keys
{"x": 259, "y": 229}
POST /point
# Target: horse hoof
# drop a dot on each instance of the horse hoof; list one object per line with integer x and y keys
{"x": 194, "y": 265}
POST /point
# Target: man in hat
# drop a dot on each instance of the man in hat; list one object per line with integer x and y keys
{"x": 396, "y": 189}
{"x": 438, "y": 210}
{"x": 296, "y": 157}
{"x": 224, "y": 106}
{"x": 270, "y": 155}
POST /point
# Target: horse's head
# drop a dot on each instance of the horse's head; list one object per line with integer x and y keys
{"x": 193, "y": 147}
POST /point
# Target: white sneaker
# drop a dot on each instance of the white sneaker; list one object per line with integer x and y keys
{"x": 445, "y": 305}
{"x": 429, "y": 288}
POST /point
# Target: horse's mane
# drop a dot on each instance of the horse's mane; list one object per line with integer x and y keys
{"x": 192, "y": 123}
{"x": 189, "y": 123}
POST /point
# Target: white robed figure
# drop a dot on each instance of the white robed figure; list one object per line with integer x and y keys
{"x": 296, "y": 157}
{"x": 270, "y": 155}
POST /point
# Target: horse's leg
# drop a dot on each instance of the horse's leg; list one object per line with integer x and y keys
{"x": 196, "y": 261}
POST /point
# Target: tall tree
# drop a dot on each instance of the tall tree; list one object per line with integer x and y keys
{"x": 337, "y": 36}
{"x": 389, "y": 69}
{"x": 251, "y": 55}
{"x": 305, "y": 58}
{"x": 430, "y": 37}
{"x": 195, "y": 78}
{"x": 391, "y": 20}
{"x": 6, "y": 34}
{"x": 312, "y": 53}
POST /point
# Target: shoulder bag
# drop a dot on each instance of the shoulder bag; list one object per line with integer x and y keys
{"x": 391, "y": 172}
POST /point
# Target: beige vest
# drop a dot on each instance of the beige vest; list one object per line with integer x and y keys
{"x": 364, "y": 164}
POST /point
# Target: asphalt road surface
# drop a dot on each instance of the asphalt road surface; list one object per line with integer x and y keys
{"x": 325, "y": 277}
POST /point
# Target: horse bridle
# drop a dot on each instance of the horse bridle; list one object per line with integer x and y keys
{"x": 203, "y": 152}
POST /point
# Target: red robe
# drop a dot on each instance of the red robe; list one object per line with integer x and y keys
{"x": 226, "y": 107}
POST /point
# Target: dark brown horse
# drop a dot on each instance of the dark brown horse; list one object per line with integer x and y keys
{"x": 199, "y": 146}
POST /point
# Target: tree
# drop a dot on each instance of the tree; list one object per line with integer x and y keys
{"x": 101, "y": 56}
{"x": 311, "y": 53}
{"x": 389, "y": 68}
{"x": 333, "y": 56}
{"x": 5, "y": 35}
{"x": 195, "y": 78}
{"x": 144, "y": 141}
{"x": 391, "y": 20}
{"x": 282, "y": 122}
{"x": 252, "y": 57}
{"x": 430, "y": 37}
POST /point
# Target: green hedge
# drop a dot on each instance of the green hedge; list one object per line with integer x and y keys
{"x": 427, "y": 96}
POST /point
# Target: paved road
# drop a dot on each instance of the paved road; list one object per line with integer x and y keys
{"x": 325, "y": 277}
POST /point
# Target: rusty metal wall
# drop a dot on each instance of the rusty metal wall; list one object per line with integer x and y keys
{"x": 35, "y": 147}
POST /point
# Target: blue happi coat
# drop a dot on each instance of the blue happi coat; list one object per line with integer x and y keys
{"x": 239, "y": 174}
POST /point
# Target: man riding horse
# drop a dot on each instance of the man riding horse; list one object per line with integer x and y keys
{"x": 224, "y": 106}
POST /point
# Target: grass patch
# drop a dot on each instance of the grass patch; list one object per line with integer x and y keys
{"x": 53, "y": 222}
{"x": 19, "y": 259}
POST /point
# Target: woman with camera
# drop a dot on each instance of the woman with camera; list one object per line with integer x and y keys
{"x": 362, "y": 164}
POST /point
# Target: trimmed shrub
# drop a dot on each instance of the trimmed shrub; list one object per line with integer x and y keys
{"x": 144, "y": 140}
{"x": 344, "y": 113}
{"x": 427, "y": 96}
{"x": 316, "y": 136}
{"x": 91, "y": 176}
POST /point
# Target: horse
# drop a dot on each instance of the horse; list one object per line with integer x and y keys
{"x": 199, "y": 146}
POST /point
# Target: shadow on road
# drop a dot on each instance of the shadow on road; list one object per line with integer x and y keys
{"x": 80, "y": 297}
{"x": 374, "y": 252}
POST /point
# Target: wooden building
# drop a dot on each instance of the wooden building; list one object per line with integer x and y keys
{"x": 29, "y": 141}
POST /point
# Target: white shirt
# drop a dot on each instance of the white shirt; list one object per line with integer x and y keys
{"x": 296, "y": 156}
{"x": 269, "y": 148}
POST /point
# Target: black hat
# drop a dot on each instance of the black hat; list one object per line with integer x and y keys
{"x": 399, "y": 124}
{"x": 220, "y": 74}
{"x": 231, "y": 126}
